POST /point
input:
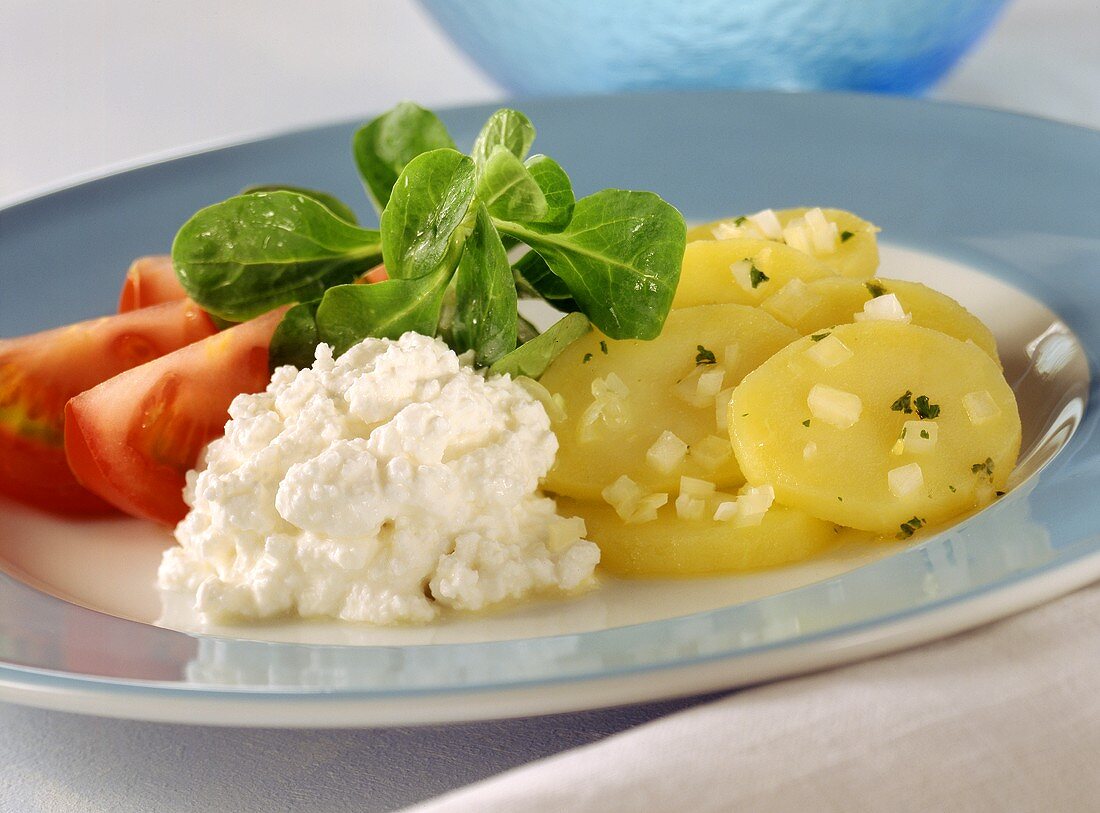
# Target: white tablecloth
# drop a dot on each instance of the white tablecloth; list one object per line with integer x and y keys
{"x": 1003, "y": 718}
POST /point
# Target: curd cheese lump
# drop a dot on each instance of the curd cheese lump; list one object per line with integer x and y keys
{"x": 379, "y": 487}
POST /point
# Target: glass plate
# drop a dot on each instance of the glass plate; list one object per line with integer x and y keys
{"x": 1000, "y": 211}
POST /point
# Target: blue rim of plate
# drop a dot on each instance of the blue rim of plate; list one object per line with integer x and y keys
{"x": 1011, "y": 195}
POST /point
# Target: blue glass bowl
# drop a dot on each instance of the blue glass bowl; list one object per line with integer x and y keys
{"x": 585, "y": 46}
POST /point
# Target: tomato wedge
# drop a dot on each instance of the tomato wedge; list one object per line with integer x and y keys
{"x": 41, "y": 372}
{"x": 132, "y": 439}
{"x": 150, "y": 281}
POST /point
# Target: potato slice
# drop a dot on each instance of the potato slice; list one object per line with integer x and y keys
{"x": 835, "y": 301}
{"x": 671, "y": 546}
{"x": 852, "y": 256}
{"x": 822, "y": 423}
{"x": 621, "y": 396}
{"x": 742, "y": 271}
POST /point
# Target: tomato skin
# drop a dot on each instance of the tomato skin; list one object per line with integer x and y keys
{"x": 41, "y": 372}
{"x": 132, "y": 439}
{"x": 150, "y": 281}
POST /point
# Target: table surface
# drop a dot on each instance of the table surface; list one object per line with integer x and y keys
{"x": 85, "y": 86}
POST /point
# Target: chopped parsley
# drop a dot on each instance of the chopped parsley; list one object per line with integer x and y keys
{"x": 756, "y": 276}
{"x": 910, "y": 527}
{"x": 904, "y": 403}
{"x": 951, "y": 489}
{"x": 806, "y": 422}
{"x": 704, "y": 356}
{"x": 819, "y": 336}
{"x": 587, "y": 358}
{"x": 845, "y": 236}
{"x": 737, "y": 221}
{"x": 985, "y": 468}
{"x": 875, "y": 288}
{"x": 603, "y": 347}
{"x": 903, "y": 431}
{"x": 924, "y": 434}
{"x": 924, "y": 408}
{"x": 999, "y": 493}
{"x": 840, "y": 499}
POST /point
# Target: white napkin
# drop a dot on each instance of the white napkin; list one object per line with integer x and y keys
{"x": 1003, "y": 718}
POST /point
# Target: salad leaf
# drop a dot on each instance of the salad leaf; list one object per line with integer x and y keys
{"x": 425, "y": 221}
{"x": 251, "y": 253}
{"x": 295, "y": 338}
{"x": 485, "y": 295}
{"x": 350, "y": 313}
{"x": 535, "y": 280}
{"x": 619, "y": 256}
{"x": 556, "y": 188}
{"x": 532, "y": 359}
{"x": 384, "y": 146}
{"x": 505, "y": 128}
{"x": 330, "y": 202}
{"x": 509, "y": 190}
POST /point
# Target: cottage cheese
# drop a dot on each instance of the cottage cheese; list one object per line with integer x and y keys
{"x": 381, "y": 487}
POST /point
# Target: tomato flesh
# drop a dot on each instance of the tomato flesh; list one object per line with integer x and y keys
{"x": 41, "y": 372}
{"x": 132, "y": 439}
{"x": 150, "y": 281}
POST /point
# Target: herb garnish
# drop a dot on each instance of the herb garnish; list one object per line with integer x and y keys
{"x": 924, "y": 408}
{"x": 924, "y": 434}
{"x": 704, "y": 356}
{"x": 756, "y": 276}
{"x": 587, "y": 358}
{"x": 910, "y": 527}
{"x": 875, "y": 288}
{"x": 446, "y": 217}
{"x": 816, "y": 337}
{"x": 737, "y": 221}
{"x": 845, "y": 236}
{"x": 986, "y": 467}
{"x": 603, "y": 347}
{"x": 806, "y": 423}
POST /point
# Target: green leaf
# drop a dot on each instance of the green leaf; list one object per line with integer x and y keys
{"x": 330, "y": 202}
{"x": 296, "y": 337}
{"x": 532, "y": 358}
{"x": 509, "y": 190}
{"x": 251, "y": 253}
{"x": 505, "y": 128}
{"x": 620, "y": 257}
{"x": 535, "y": 280}
{"x": 421, "y": 225}
{"x": 485, "y": 314}
{"x": 556, "y": 188}
{"x": 384, "y": 146}
{"x": 350, "y": 313}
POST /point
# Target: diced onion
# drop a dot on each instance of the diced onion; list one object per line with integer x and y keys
{"x": 768, "y": 223}
{"x": 793, "y": 301}
{"x": 710, "y": 382}
{"x": 646, "y": 510}
{"x": 823, "y": 234}
{"x": 905, "y": 480}
{"x": 694, "y": 487}
{"x": 553, "y": 404}
{"x": 667, "y": 453}
{"x": 742, "y": 273}
{"x": 898, "y": 448}
{"x": 829, "y": 352}
{"x": 711, "y": 452}
{"x": 725, "y": 511}
{"x": 980, "y": 407}
{"x": 623, "y": 495}
{"x": 722, "y": 409}
{"x": 609, "y": 386}
{"x": 809, "y": 451}
{"x": 885, "y": 308}
{"x": 749, "y": 508}
{"x": 731, "y": 355}
{"x": 564, "y": 532}
{"x": 835, "y": 407}
{"x": 688, "y": 507}
{"x": 795, "y": 236}
{"x": 912, "y": 435}
{"x": 725, "y": 231}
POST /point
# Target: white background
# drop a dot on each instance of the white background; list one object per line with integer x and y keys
{"x": 85, "y": 85}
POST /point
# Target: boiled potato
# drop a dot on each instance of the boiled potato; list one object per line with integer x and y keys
{"x": 852, "y": 256}
{"x": 826, "y": 302}
{"x": 822, "y": 423}
{"x": 671, "y": 546}
{"x": 743, "y": 271}
{"x": 613, "y": 421}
